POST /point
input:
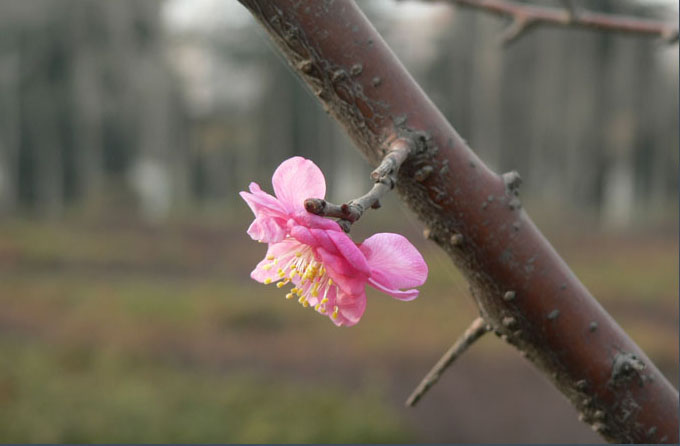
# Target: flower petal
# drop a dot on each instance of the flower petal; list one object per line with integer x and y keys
{"x": 351, "y": 308}
{"x": 277, "y": 257}
{"x": 260, "y": 201}
{"x": 394, "y": 262}
{"x": 336, "y": 265}
{"x": 297, "y": 179}
{"x": 267, "y": 230}
{"x": 348, "y": 249}
{"x": 302, "y": 234}
{"x": 397, "y": 294}
{"x": 304, "y": 218}
{"x": 270, "y": 216}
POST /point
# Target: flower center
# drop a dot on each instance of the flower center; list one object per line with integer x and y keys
{"x": 311, "y": 282}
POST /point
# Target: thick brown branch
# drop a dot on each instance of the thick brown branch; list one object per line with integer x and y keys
{"x": 385, "y": 178}
{"x": 475, "y": 331}
{"x": 523, "y": 289}
{"x": 523, "y": 15}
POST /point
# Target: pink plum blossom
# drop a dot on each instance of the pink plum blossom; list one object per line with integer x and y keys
{"x": 327, "y": 270}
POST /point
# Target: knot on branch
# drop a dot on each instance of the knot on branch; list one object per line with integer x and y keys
{"x": 512, "y": 182}
{"x": 626, "y": 367}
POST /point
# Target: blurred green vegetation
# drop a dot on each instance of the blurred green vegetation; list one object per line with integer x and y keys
{"x": 125, "y": 332}
{"x": 84, "y": 395}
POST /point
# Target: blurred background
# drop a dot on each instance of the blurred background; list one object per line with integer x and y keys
{"x": 127, "y": 313}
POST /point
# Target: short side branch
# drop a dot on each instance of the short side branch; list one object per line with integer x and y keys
{"x": 524, "y": 16}
{"x": 384, "y": 177}
{"x": 475, "y": 331}
{"x": 520, "y": 25}
{"x": 571, "y": 9}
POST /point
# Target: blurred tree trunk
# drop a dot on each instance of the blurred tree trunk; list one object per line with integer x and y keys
{"x": 581, "y": 118}
{"x": 486, "y": 87}
{"x": 88, "y": 117}
{"x": 10, "y": 129}
{"x": 619, "y": 131}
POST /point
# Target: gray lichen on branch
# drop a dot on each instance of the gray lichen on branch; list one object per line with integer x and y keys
{"x": 384, "y": 177}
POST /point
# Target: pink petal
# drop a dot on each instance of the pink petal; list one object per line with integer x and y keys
{"x": 304, "y": 218}
{"x": 348, "y": 249}
{"x": 339, "y": 266}
{"x": 297, "y": 179}
{"x": 267, "y": 229}
{"x": 397, "y": 294}
{"x": 261, "y": 202}
{"x": 322, "y": 239}
{"x": 351, "y": 308}
{"x": 302, "y": 234}
{"x": 282, "y": 252}
{"x": 394, "y": 262}
{"x": 270, "y": 216}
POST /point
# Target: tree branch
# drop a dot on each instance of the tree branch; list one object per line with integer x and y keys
{"x": 384, "y": 177}
{"x": 522, "y": 287}
{"x": 524, "y": 16}
{"x": 475, "y": 331}
{"x": 520, "y": 25}
{"x": 571, "y": 8}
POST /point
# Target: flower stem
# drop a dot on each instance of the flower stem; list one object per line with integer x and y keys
{"x": 384, "y": 177}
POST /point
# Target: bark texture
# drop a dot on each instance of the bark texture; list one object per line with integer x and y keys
{"x": 523, "y": 289}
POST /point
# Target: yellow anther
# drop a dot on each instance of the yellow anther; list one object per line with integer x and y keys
{"x": 305, "y": 304}
{"x": 302, "y": 299}
{"x": 289, "y": 296}
{"x": 267, "y": 267}
{"x": 317, "y": 306}
{"x": 310, "y": 272}
{"x": 292, "y": 274}
{"x": 270, "y": 257}
{"x": 324, "y": 300}
{"x": 298, "y": 254}
{"x": 315, "y": 289}
{"x": 334, "y": 315}
{"x": 282, "y": 283}
{"x": 267, "y": 281}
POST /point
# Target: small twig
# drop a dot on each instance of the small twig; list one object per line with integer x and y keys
{"x": 517, "y": 28}
{"x": 670, "y": 36}
{"x": 571, "y": 9}
{"x": 475, "y": 331}
{"x": 524, "y": 15}
{"x": 384, "y": 177}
